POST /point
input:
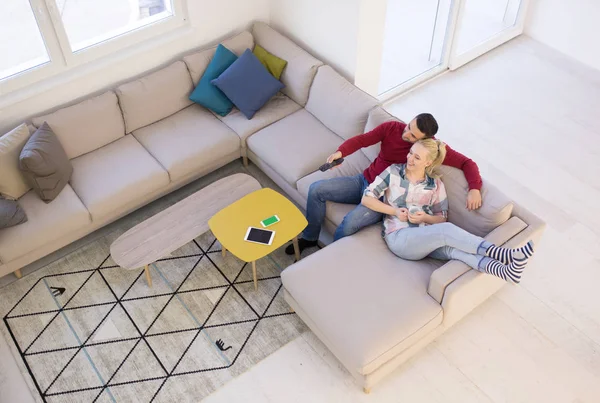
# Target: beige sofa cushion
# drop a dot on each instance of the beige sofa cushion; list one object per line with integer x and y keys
{"x": 277, "y": 108}
{"x": 86, "y": 126}
{"x": 294, "y": 146}
{"x": 116, "y": 175}
{"x": 188, "y": 141}
{"x": 155, "y": 96}
{"x": 301, "y": 67}
{"x": 377, "y": 116}
{"x": 338, "y": 104}
{"x": 198, "y": 61}
{"x": 494, "y": 211}
{"x": 46, "y": 221}
{"x": 12, "y": 182}
{"x": 367, "y": 302}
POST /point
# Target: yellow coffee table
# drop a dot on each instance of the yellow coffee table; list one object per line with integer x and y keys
{"x": 230, "y": 225}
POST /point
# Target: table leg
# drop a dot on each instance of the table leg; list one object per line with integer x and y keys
{"x": 254, "y": 275}
{"x": 296, "y": 248}
{"x": 223, "y": 251}
{"x": 18, "y": 273}
{"x": 148, "y": 278}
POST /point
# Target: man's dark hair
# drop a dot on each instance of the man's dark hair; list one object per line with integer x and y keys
{"x": 427, "y": 124}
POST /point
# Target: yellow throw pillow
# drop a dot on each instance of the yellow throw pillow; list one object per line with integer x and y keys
{"x": 271, "y": 62}
{"x": 12, "y": 182}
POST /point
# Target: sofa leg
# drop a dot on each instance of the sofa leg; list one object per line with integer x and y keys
{"x": 292, "y": 310}
{"x": 245, "y": 160}
{"x": 18, "y": 273}
{"x": 148, "y": 277}
{"x": 367, "y": 390}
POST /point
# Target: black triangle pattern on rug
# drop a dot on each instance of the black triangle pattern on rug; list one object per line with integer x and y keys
{"x": 109, "y": 337}
{"x": 170, "y": 347}
{"x": 94, "y": 292}
{"x": 141, "y": 364}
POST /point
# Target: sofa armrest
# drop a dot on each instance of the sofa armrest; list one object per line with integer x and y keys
{"x": 445, "y": 275}
{"x": 470, "y": 289}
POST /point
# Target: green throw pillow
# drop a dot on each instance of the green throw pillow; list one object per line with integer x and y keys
{"x": 271, "y": 62}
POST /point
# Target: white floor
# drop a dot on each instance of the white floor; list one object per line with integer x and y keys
{"x": 528, "y": 116}
{"x": 415, "y": 34}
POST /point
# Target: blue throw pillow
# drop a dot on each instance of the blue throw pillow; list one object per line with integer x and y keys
{"x": 248, "y": 84}
{"x": 207, "y": 94}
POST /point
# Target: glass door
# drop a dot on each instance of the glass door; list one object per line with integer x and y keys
{"x": 414, "y": 45}
{"x": 483, "y": 25}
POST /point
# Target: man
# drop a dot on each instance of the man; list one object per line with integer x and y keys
{"x": 396, "y": 138}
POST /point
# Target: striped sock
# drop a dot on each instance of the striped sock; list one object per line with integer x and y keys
{"x": 508, "y": 272}
{"x": 506, "y": 256}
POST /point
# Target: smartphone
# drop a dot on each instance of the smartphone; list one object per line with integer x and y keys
{"x": 269, "y": 221}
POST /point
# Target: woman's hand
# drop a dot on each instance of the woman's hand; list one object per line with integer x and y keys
{"x": 418, "y": 218}
{"x": 402, "y": 214}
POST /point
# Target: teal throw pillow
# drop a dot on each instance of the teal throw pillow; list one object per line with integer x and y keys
{"x": 205, "y": 93}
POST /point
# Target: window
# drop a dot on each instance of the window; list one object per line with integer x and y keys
{"x": 22, "y": 46}
{"x": 88, "y": 22}
{"x": 54, "y": 35}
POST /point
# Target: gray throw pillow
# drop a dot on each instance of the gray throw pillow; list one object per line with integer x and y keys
{"x": 45, "y": 164}
{"x": 11, "y": 213}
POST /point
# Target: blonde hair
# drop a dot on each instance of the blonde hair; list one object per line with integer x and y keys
{"x": 437, "y": 152}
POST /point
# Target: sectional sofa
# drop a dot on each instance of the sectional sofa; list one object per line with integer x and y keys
{"x": 143, "y": 139}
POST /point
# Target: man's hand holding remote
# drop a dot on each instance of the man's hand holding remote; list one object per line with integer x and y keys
{"x": 335, "y": 156}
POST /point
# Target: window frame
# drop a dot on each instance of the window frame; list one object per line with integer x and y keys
{"x": 62, "y": 58}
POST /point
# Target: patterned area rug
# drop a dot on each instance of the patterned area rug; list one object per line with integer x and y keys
{"x": 89, "y": 331}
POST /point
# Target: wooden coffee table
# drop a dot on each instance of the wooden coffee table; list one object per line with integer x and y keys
{"x": 229, "y": 225}
{"x": 172, "y": 228}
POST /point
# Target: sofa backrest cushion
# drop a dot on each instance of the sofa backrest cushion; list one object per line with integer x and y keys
{"x": 377, "y": 116}
{"x": 338, "y": 104}
{"x": 198, "y": 61}
{"x": 13, "y": 184}
{"x": 301, "y": 67}
{"x": 495, "y": 210}
{"x": 155, "y": 96}
{"x": 86, "y": 126}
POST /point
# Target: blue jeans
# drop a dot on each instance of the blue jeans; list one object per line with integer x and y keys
{"x": 340, "y": 190}
{"x": 443, "y": 241}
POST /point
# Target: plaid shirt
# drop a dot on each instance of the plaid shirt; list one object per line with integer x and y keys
{"x": 428, "y": 195}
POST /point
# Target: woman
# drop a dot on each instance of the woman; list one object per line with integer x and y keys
{"x": 416, "y": 210}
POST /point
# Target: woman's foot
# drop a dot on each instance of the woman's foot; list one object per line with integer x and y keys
{"x": 302, "y": 244}
{"x": 508, "y": 272}
{"x": 506, "y": 255}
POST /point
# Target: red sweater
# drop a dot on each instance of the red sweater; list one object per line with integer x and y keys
{"x": 394, "y": 151}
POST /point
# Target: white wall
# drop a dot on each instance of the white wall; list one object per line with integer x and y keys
{"x": 210, "y": 21}
{"x": 369, "y": 55}
{"x": 572, "y": 27}
{"x": 328, "y": 29}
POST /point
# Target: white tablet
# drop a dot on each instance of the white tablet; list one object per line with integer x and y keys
{"x": 258, "y": 235}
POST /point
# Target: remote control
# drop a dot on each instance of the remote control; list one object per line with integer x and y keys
{"x": 327, "y": 166}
